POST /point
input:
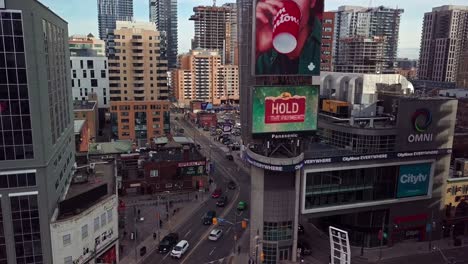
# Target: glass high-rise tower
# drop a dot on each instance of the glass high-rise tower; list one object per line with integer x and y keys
{"x": 164, "y": 14}
{"x": 110, "y": 11}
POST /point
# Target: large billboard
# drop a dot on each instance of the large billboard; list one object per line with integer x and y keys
{"x": 287, "y": 37}
{"x": 414, "y": 180}
{"x": 284, "y": 109}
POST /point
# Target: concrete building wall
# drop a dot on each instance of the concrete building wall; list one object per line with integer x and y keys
{"x": 136, "y": 70}
{"x": 360, "y": 55}
{"x": 78, "y": 42}
{"x": 328, "y": 33}
{"x": 110, "y": 11}
{"x": 81, "y": 237}
{"x": 90, "y": 78}
{"x": 91, "y": 116}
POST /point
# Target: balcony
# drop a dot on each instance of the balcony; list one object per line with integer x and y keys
{"x": 137, "y": 50}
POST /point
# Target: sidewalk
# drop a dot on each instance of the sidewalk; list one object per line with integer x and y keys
{"x": 403, "y": 249}
{"x": 186, "y": 211}
{"x": 243, "y": 257}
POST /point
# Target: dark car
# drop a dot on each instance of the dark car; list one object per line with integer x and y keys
{"x": 168, "y": 242}
{"x": 229, "y": 157}
{"x": 222, "y": 201}
{"x": 208, "y": 217}
{"x": 300, "y": 229}
{"x": 217, "y": 193}
{"x": 304, "y": 248}
{"x": 232, "y": 185}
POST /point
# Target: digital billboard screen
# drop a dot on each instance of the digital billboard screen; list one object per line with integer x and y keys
{"x": 284, "y": 109}
{"x": 414, "y": 180}
{"x": 287, "y": 37}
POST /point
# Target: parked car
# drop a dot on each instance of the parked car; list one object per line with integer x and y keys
{"x": 222, "y": 201}
{"x": 208, "y": 217}
{"x": 215, "y": 234}
{"x": 168, "y": 242}
{"x": 304, "y": 248}
{"x": 235, "y": 146}
{"x": 206, "y": 129}
{"x": 241, "y": 206}
{"x": 217, "y": 193}
{"x": 232, "y": 185}
{"x": 180, "y": 249}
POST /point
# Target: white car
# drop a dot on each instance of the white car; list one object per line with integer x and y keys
{"x": 215, "y": 234}
{"x": 180, "y": 249}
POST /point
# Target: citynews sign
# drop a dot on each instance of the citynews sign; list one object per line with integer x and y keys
{"x": 351, "y": 158}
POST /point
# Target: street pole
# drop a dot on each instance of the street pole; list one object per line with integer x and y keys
{"x": 381, "y": 240}
{"x": 135, "y": 230}
{"x": 430, "y": 233}
{"x": 158, "y": 218}
{"x": 235, "y": 232}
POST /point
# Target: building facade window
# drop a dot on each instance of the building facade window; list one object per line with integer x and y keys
{"x": 26, "y": 229}
{"x": 66, "y": 240}
{"x": 84, "y": 231}
{"x": 3, "y": 251}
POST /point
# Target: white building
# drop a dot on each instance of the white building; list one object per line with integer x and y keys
{"x": 88, "y": 228}
{"x": 90, "y": 75}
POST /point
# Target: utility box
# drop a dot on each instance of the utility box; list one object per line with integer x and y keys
{"x": 335, "y": 107}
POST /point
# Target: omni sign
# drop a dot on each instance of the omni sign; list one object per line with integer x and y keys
{"x": 421, "y": 120}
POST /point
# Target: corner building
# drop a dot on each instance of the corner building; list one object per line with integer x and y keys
{"x": 36, "y": 128}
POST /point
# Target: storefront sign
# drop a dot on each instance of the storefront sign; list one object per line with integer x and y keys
{"x": 413, "y": 180}
{"x": 190, "y": 163}
{"x": 274, "y": 167}
{"x": 192, "y": 171}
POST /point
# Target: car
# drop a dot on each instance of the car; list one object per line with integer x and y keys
{"x": 217, "y": 193}
{"x": 215, "y": 234}
{"x": 232, "y": 185}
{"x": 168, "y": 242}
{"x": 229, "y": 157}
{"x": 304, "y": 248}
{"x": 206, "y": 129}
{"x": 208, "y": 217}
{"x": 300, "y": 229}
{"x": 241, "y": 206}
{"x": 222, "y": 201}
{"x": 180, "y": 249}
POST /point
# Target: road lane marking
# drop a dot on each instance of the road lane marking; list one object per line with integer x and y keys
{"x": 212, "y": 251}
{"x": 167, "y": 255}
{"x": 227, "y": 231}
{"x": 186, "y": 234}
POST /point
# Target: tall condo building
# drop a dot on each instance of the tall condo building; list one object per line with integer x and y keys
{"x": 136, "y": 70}
{"x": 36, "y": 146}
{"x": 216, "y": 28}
{"x": 164, "y": 14}
{"x": 110, "y": 11}
{"x": 352, "y": 21}
{"x": 360, "y": 55}
{"x": 89, "y": 70}
{"x": 444, "y": 38}
{"x": 201, "y": 76}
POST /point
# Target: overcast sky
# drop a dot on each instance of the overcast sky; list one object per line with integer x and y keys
{"x": 82, "y": 17}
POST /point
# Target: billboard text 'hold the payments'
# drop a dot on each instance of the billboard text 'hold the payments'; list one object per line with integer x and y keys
{"x": 287, "y": 37}
{"x": 284, "y": 109}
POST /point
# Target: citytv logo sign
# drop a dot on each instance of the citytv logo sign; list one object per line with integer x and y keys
{"x": 413, "y": 180}
{"x": 421, "y": 120}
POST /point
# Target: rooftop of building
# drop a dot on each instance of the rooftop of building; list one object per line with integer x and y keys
{"x": 78, "y": 125}
{"x": 84, "y": 105}
{"x": 135, "y": 25}
{"x": 91, "y": 184}
{"x": 450, "y": 7}
{"x": 179, "y": 140}
{"x": 109, "y": 148}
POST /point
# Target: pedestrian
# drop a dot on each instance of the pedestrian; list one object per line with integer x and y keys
{"x": 160, "y": 223}
{"x": 238, "y": 250}
{"x": 196, "y": 197}
{"x": 154, "y": 236}
{"x": 125, "y": 234}
{"x": 173, "y": 212}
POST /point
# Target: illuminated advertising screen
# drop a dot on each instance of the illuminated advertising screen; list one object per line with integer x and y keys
{"x": 414, "y": 180}
{"x": 287, "y": 37}
{"x": 284, "y": 109}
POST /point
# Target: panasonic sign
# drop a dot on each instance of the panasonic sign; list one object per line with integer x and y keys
{"x": 414, "y": 180}
{"x": 421, "y": 120}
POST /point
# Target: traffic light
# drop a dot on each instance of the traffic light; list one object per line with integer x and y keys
{"x": 262, "y": 257}
{"x": 215, "y": 221}
{"x": 244, "y": 224}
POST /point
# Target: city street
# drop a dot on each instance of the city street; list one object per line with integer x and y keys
{"x": 201, "y": 250}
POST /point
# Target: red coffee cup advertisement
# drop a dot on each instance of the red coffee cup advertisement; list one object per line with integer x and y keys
{"x": 286, "y": 27}
{"x": 287, "y": 37}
